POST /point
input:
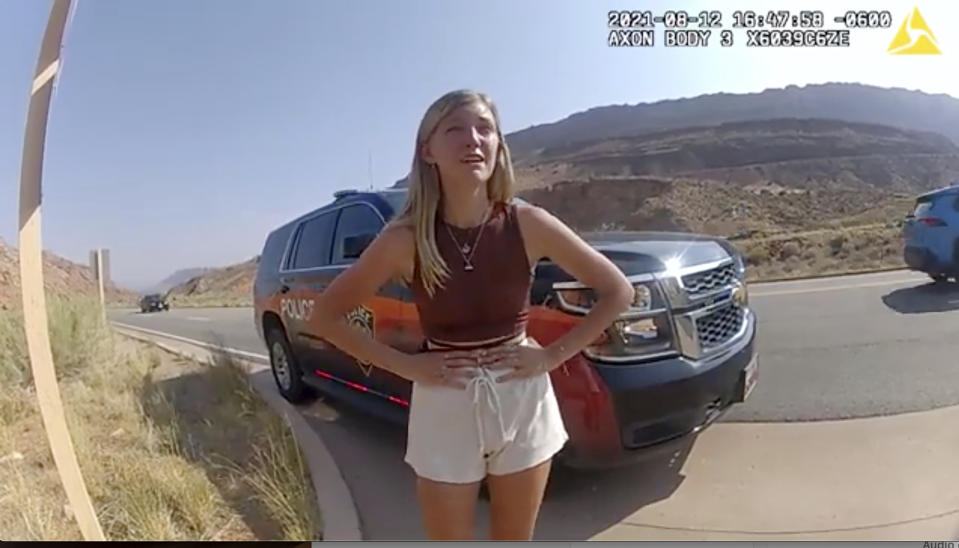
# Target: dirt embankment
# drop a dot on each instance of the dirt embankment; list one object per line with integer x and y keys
{"x": 170, "y": 449}
{"x": 228, "y": 286}
{"x": 62, "y": 279}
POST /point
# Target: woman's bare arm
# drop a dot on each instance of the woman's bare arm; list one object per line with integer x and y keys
{"x": 547, "y": 236}
{"x": 389, "y": 256}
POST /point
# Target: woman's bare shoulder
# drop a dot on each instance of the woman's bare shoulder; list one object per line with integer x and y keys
{"x": 533, "y": 219}
{"x": 399, "y": 232}
{"x": 544, "y": 232}
{"x": 399, "y": 241}
{"x": 538, "y": 227}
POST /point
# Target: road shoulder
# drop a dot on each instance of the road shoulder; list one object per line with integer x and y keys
{"x": 870, "y": 478}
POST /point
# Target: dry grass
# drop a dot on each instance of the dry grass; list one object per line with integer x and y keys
{"x": 277, "y": 482}
{"x": 256, "y": 458}
{"x": 823, "y": 252}
{"x": 157, "y": 466}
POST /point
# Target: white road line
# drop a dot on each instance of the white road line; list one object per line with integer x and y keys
{"x": 243, "y": 353}
{"x": 831, "y": 288}
{"x": 197, "y": 319}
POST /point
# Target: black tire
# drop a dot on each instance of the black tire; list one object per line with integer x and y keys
{"x": 286, "y": 371}
{"x": 955, "y": 261}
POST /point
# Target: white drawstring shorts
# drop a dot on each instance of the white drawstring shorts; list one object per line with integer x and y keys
{"x": 460, "y": 436}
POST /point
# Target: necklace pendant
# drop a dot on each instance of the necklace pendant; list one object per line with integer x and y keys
{"x": 467, "y": 267}
{"x": 466, "y": 249}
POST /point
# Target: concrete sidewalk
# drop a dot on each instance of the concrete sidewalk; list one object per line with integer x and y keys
{"x": 877, "y": 478}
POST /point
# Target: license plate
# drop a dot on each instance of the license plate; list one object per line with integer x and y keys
{"x": 752, "y": 376}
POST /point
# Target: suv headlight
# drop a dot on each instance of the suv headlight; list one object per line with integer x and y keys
{"x": 740, "y": 263}
{"x": 643, "y": 331}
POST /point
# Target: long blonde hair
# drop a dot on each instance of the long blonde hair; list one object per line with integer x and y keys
{"x": 426, "y": 193}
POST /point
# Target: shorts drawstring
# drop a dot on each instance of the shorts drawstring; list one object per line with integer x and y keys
{"x": 486, "y": 380}
{"x": 443, "y": 447}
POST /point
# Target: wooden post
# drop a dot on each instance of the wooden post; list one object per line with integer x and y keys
{"x": 31, "y": 276}
{"x": 103, "y": 301}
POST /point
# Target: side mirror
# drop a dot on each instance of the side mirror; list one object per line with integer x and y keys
{"x": 353, "y": 246}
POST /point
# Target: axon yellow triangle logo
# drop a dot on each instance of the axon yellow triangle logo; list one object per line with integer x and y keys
{"x": 914, "y": 37}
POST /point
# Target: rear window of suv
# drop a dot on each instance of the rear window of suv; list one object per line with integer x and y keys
{"x": 274, "y": 247}
{"x": 354, "y": 220}
{"x": 312, "y": 247}
{"x": 923, "y": 206}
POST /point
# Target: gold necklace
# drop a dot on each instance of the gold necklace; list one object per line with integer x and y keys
{"x": 466, "y": 251}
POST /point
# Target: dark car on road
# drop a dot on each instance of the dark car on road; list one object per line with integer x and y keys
{"x": 931, "y": 234}
{"x": 153, "y": 303}
{"x": 682, "y": 356}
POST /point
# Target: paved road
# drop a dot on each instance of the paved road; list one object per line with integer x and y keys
{"x": 838, "y": 347}
{"x": 853, "y": 346}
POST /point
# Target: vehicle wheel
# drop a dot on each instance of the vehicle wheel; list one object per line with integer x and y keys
{"x": 939, "y": 278}
{"x": 955, "y": 261}
{"x": 286, "y": 371}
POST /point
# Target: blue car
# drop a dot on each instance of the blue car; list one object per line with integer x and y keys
{"x": 932, "y": 234}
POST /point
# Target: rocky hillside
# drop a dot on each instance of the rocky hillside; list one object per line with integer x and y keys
{"x": 848, "y": 102}
{"x": 740, "y": 177}
{"x": 62, "y": 278}
{"x": 803, "y": 179}
{"x": 228, "y": 286}
{"x": 179, "y": 277}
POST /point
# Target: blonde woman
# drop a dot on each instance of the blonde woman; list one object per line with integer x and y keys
{"x": 482, "y": 406}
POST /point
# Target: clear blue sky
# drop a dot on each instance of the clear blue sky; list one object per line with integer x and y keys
{"x": 182, "y": 130}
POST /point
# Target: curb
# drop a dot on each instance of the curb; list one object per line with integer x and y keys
{"x": 338, "y": 513}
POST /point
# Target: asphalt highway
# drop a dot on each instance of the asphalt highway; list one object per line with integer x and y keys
{"x": 830, "y": 348}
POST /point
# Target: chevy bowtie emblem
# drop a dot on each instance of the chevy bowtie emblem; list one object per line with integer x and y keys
{"x": 362, "y": 319}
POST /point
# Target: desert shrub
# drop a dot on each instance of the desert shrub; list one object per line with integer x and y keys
{"x": 756, "y": 255}
{"x": 836, "y": 243}
{"x": 789, "y": 250}
{"x": 78, "y": 338}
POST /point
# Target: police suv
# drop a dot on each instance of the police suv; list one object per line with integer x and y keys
{"x": 654, "y": 378}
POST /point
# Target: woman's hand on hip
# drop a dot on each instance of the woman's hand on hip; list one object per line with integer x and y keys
{"x": 452, "y": 369}
{"x": 519, "y": 361}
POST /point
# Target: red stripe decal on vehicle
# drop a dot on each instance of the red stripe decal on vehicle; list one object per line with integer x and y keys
{"x": 361, "y": 388}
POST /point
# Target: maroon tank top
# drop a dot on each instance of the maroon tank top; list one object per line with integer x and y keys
{"x": 491, "y": 300}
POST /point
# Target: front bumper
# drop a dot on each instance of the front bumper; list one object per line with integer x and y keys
{"x": 657, "y": 407}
